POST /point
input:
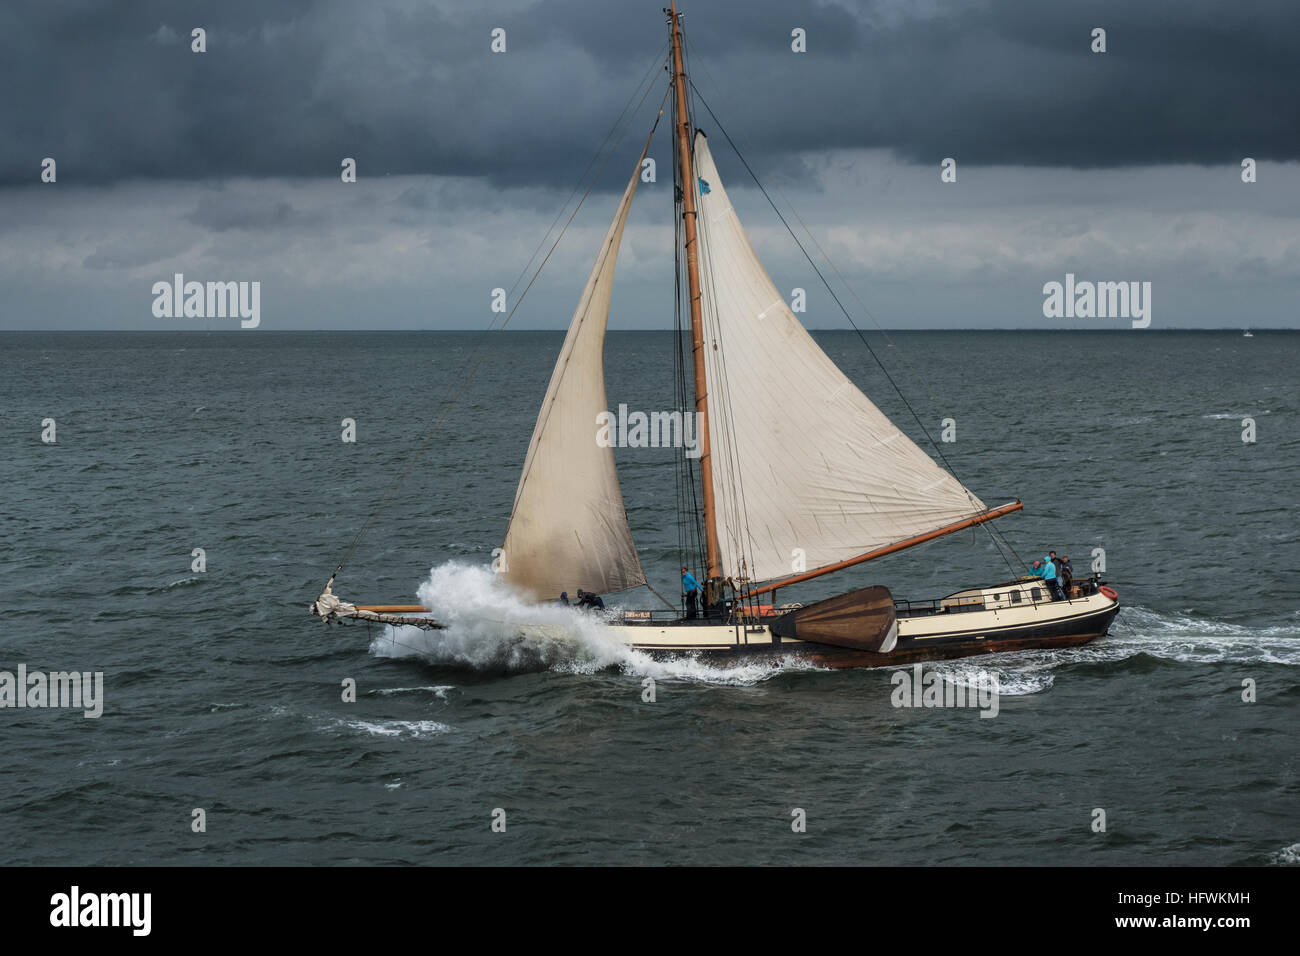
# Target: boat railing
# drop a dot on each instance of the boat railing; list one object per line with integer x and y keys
{"x": 925, "y": 608}
{"x": 730, "y": 613}
{"x": 652, "y": 617}
{"x": 983, "y": 602}
{"x": 915, "y": 608}
{"x": 647, "y": 617}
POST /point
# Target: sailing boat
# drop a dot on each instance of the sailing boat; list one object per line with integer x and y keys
{"x": 793, "y": 460}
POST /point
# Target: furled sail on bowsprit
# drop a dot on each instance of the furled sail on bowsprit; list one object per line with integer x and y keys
{"x": 806, "y": 469}
{"x": 568, "y": 528}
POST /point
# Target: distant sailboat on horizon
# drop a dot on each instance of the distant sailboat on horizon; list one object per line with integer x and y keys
{"x": 794, "y": 460}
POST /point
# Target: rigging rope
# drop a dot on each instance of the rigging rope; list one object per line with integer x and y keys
{"x": 651, "y": 589}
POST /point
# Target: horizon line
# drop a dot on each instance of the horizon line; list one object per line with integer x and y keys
{"x": 1004, "y": 328}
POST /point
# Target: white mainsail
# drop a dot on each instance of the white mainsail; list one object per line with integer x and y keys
{"x": 806, "y": 470}
{"x": 568, "y": 528}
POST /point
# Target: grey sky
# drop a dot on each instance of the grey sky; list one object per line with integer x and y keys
{"x": 224, "y": 165}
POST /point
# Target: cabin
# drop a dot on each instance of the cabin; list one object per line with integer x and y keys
{"x": 1010, "y": 594}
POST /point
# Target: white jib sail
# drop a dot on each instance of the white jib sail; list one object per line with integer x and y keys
{"x": 568, "y": 528}
{"x": 806, "y": 470}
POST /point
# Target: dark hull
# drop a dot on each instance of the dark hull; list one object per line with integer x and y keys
{"x": 1068, "y": 633}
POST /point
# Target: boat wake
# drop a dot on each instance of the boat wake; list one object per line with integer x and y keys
{"x": 1195, "y": 640}
{"x": 1137, "y": 630}
{"x": 491, "y": 628}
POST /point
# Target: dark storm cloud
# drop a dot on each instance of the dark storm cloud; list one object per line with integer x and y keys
{"x": 112, "y": 91}
{"x": 222, "y": 211}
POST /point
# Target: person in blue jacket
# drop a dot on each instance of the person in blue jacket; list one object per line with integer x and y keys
{"x": 1050, "y": 577}
{"x": 691, "y": 591}
{"x": 1046, "y": 569}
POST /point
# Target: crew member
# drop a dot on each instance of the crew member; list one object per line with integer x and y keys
{"x": 1066, "y": 573}
{"x": 1050, "y": 578}
{"x": 691, "y": 590}
{"x": 588, "y": 600}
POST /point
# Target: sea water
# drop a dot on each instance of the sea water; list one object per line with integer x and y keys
{"x": 221, "y": 693}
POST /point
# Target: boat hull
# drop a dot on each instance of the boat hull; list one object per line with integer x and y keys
{"x": 940, "y": 636}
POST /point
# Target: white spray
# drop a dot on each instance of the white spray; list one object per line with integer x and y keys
{"x": 491, "y": 627}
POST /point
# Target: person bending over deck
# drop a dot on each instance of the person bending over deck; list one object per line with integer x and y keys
{"x": 691, "y": 591}
{"x": 588, "y": 600}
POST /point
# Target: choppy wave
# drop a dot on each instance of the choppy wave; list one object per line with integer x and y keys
{"x": 393, "y": 728}
{"x": 438, "y": 690}
{"x": 1287, "y": 856}
{"x": 1015, "y": 677}
{"x": 182, "y": 583}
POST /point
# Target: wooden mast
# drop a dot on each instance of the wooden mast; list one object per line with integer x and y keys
{"x": 686, "y": 165}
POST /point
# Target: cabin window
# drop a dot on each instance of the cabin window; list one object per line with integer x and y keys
{"x": 1016, "y": 597}
{"x": 1037, "y": 594}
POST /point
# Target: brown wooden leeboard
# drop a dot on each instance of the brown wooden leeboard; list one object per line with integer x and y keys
{"x": 860, "y": 620}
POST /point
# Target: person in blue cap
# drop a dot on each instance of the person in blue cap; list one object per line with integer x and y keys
{"x": 563, "y": 599}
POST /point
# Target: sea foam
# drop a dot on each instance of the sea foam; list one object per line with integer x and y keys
{"x": 491, "y": 627}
